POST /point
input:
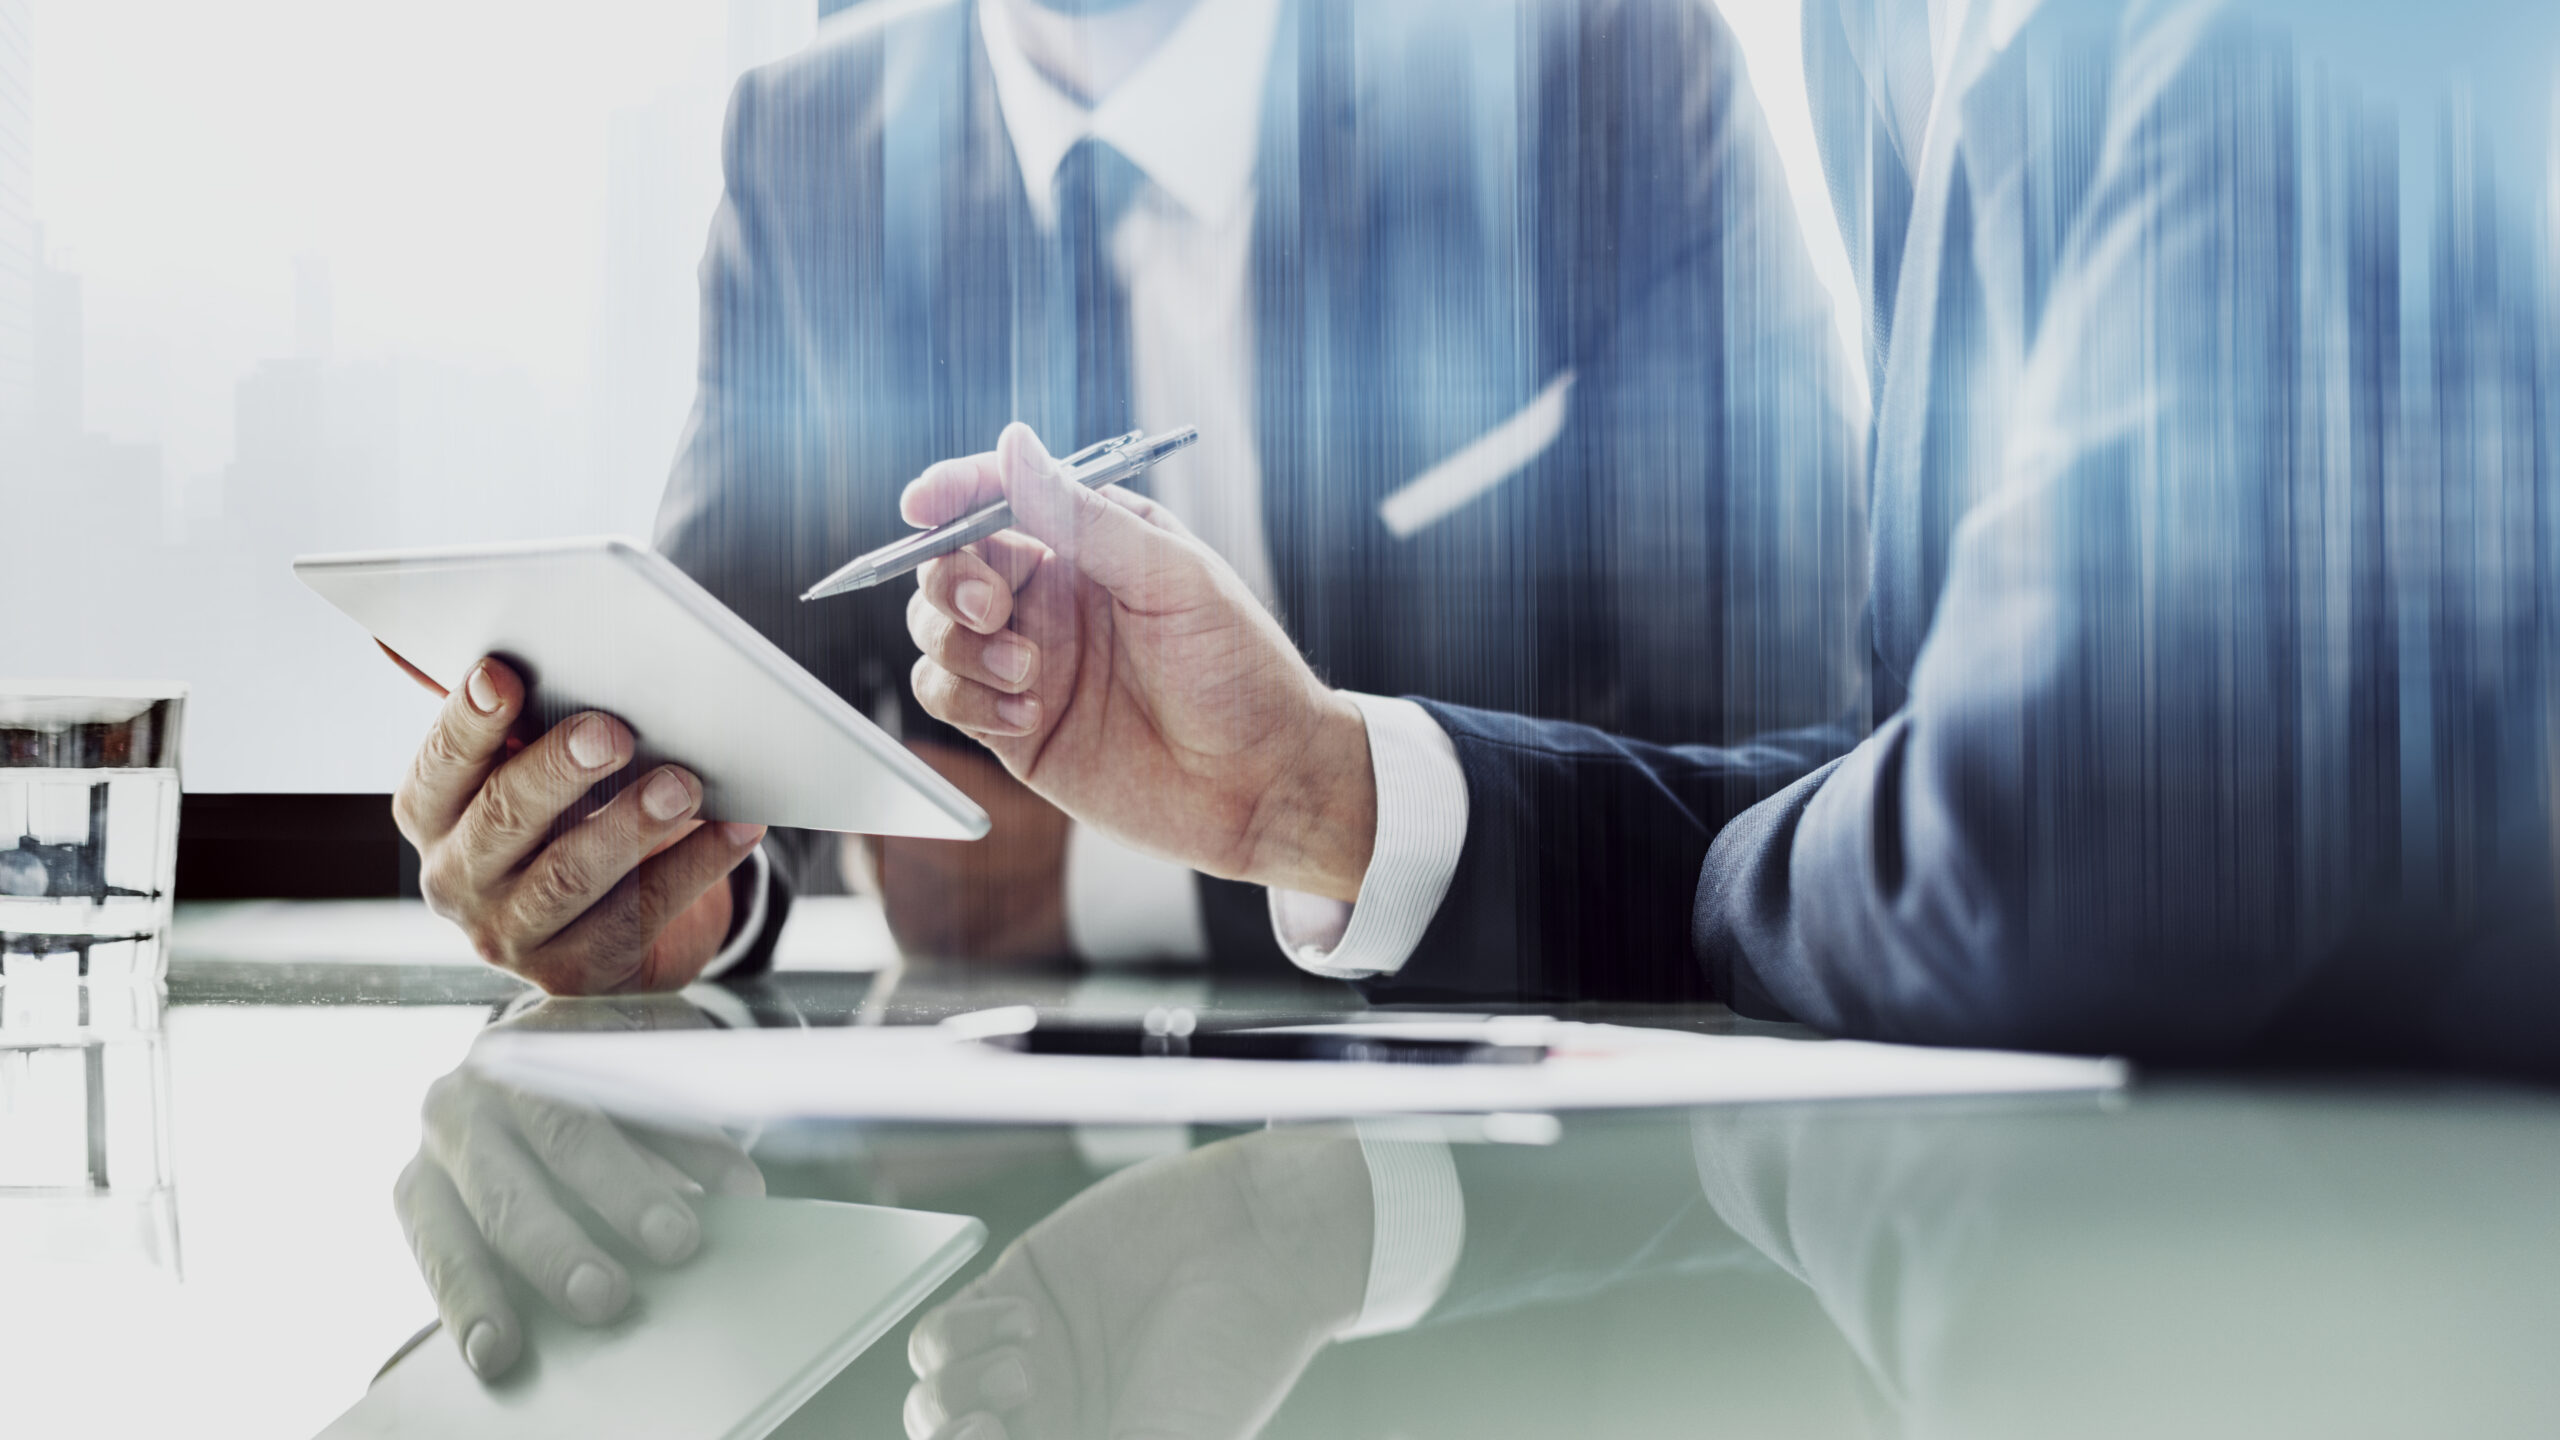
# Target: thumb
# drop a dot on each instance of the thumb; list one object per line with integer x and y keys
{"x": 1112, "y": 546}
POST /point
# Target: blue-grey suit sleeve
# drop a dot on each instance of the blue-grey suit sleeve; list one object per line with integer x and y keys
{"x": 2148, "y": 791}
{"x": 1580, "y": 854}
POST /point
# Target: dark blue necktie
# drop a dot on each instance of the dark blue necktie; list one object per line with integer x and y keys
{"x": 1094, "y": 187}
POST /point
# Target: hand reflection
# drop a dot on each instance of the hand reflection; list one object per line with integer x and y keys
{"x": 1179, "y": 1298}
{"x": 496, "y": 1166}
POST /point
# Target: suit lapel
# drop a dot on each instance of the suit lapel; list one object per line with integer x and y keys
{"x": 1919, "y": 439}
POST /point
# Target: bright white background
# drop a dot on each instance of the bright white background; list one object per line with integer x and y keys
{"x": 501, "y": 203}
{"x": 289, "y": 1127}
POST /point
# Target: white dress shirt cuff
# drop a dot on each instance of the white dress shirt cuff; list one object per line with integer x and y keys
{"x": 742, "y": 937}
{"x": 1125, "y": 907}
{"x": 1422, "y": 827}
{"x": 1418, "y": 1225}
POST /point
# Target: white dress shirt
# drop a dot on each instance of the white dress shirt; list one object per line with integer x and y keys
{"x": 1189, "y": 118}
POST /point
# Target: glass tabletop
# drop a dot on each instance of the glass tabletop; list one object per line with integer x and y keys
{"x": 2200, "y": 1254}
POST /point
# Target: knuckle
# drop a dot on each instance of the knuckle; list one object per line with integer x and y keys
{"x": 504, "y": 1207}
{"x": 443, "y": 749}
{"x": 931, "y": 684}
{"x": 564, "y": 879}
{"x": 497, "y": 812}
{"x": 404, "y": 809}
{"x": 405, "y": 1186}
{"x": 436, "y": 881}
{"x": 552, "y": 1131}
{"x": 546, "y": 897}
{"x": 927, "y": 626}
{"x": 448, "y": 1275}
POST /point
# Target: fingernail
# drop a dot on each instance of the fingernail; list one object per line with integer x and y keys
{"x": 480, "y": 1347}
{"x": 976, "y": 598}
{"x": 669, "y": 1233}
{"x": 666, "y": 796}
{"x": 591, "y": 744}
{"x": 591, "y": 1291}
{"x": 740, "y": 833}
{"x": 1019, "y": 711}
{"x": 1010, "y": 659}
{"x": 483, "y": 692}
{"x": 1006, "y": 1384}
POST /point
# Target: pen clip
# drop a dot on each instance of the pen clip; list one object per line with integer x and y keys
{"x": 1100, "y": 448}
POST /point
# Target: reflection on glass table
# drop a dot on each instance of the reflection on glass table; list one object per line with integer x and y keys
{"x": 596, "y": 1276}
{"x": 501, "y": 1179}
{"x": 2198, "y": 1262}
{"x": 2201, "y": 1255}
{"x": 2205, "y": 1254}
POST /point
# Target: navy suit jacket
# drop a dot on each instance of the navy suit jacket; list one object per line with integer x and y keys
{"x": 2213, "y": 571}
{"x": 1458, "y": 202}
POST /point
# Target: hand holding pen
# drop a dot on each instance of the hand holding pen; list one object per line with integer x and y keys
{"x": 1107, "y": 462}
{"x": 1124, "y": 671}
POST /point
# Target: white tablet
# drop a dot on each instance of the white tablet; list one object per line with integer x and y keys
{"x": 783, "y": 1295}
{"x": 609, "y": 624}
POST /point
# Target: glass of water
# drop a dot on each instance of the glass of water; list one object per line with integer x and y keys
{"x": 88, "y": 827}
{"x": 88, "y": 860}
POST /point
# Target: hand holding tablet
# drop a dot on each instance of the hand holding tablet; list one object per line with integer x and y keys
{"x": 581, "y": 859}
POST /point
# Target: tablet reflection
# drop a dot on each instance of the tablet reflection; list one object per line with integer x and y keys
{"x": 516, "y": 1199}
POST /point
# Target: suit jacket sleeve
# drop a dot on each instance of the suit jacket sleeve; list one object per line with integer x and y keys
{"x": 1581, "y": 852}
{"x": 2144, "y": 785}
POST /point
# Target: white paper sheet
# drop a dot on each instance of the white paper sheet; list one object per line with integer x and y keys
{"x": 935, "y": 1074}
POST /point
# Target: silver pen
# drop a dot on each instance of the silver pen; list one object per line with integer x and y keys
{"x": 1106, "y": 462}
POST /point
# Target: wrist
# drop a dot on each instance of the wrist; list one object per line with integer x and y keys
{"x": 1314, "y": 829}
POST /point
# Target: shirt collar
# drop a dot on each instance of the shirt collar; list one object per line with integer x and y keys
{"x": 1189, "y": 117}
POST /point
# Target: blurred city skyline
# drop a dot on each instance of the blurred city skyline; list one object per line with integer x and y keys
{"x": 262, "y": 293}
{"x": 486, "y": 332}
